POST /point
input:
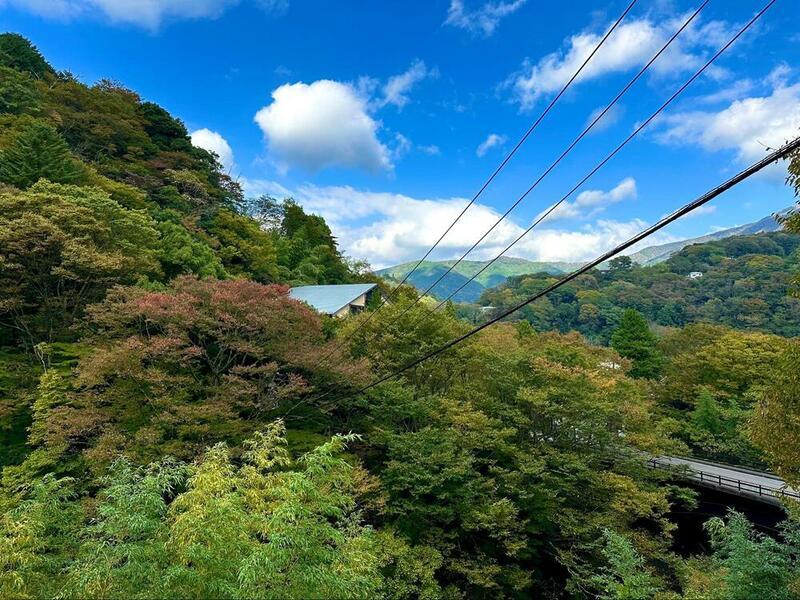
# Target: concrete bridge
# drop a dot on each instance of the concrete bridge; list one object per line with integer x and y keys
{"x": 740, "y": 481}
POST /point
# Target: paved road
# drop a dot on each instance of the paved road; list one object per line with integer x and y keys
{"x": 735, "y": 480}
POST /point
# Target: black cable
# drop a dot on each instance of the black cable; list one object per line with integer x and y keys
{"x": 491, "y": 177}
{"x": 602, "y": 163}
{"x": 555, "y": 163}
{"x": 596, "y": 168}
{"x": 697, "y": 203}
{"x": 544, "y": 215}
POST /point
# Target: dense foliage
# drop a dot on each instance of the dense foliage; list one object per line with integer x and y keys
{"x": 745, "y": 284}
{"x": 174, "y": 425}
{"x": 712, "y": 379}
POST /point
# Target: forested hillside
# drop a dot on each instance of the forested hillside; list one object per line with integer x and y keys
{"x": 175, "y": 426}
{"x": 429, "y": 272}
{"x": 489, "y": 275}
{"x": 744, "y": 284}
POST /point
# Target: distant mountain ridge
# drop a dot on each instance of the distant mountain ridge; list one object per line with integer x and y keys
{"x": 656, "y": 254}
{"x": 505, "y": 267}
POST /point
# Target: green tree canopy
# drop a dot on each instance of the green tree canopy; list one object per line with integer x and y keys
{"x": 633, "y": 339}
{"x": 18, "y": 53}
{"x": 38, "y": 152}
{"x": 264, "y": 526}
{"x": 61, "y": 247}
{"x": 775, "y": 423}
{"x": 746, "y": 564}
{"x": 18, "y": 93}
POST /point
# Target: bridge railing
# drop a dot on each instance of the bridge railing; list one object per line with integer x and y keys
{"x": 721, "y": 481}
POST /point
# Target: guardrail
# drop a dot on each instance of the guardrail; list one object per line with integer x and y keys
{"x": 742, "y": 487}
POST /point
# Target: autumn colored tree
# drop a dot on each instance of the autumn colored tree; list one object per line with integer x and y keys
{"x": 176, "y": 370}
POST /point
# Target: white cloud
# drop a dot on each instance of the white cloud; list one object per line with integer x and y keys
{"x": 705, "y": 209}
{"x": 585, "y": 243}
{"x": 492, "y": 141}
{"x": 322, "y": 124}
{"x": 432, "y": 150}
{"x": 590, "y": 203}
{"x": 143, "y": 13}
{"x": 482, "y": 20}
{"x": 746, "y": 126}
{"x": 214, "y": 142}
{"x": 728, "y": 93}
{"x": 631, "y": 45}
{"x": 780, "y": 75}
{"x": 263, "y": 187}
{"x": 386, "y": 228}
{"x": 396, "y": 89}
{"x": 611, "y": 117}
{"x": 402, "y": 146}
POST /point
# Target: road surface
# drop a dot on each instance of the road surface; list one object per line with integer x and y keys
{"x": 757, "y": 485}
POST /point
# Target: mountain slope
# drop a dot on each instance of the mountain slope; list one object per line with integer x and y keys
{"x": 510, "y": 266}
{"x": 744, "y": 283}
{"x": 502, "y": 269}
{"x": 656, "y": 254}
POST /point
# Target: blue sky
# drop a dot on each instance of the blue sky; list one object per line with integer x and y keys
{"x": 384, "y": 116}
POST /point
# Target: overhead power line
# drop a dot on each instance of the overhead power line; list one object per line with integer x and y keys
{"x": 605, "y": 160}
{"x": 783, "y": 152}
{"x": 697, "y": 74}
{"x": 494, "y": 174}
{"x": 561, "y": 157}
{"x": 636, "y": 131}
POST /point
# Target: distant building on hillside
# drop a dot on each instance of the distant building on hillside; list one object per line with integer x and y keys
{"x": 610, "y": 364}
{"x": 695, "y": 275}
{"x": 336, "y": 300}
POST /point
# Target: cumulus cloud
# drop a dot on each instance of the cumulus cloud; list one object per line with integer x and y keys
{"x": 747, "y": 126}
{"x": 214, "y": 142}
{"x": 492, "y": 141}
{"x": 590, "y": 203}
{"x": 386, "y": 228}
{"x": 631, "y": 45}
{"x": 396, "y": 89}
{"x": 322, "y": 124}
{"x": 143, "y": 13}
{"x": 482, "y": 20}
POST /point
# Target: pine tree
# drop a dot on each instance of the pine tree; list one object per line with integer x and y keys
{"x": 707, "y": 414}
{"x": 18, "y": 53}
{"x": 38, "y": 152}
{"x": 633, "y": 339}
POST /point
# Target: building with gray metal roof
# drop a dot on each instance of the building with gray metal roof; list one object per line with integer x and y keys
{"x": 335, "y": 300}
